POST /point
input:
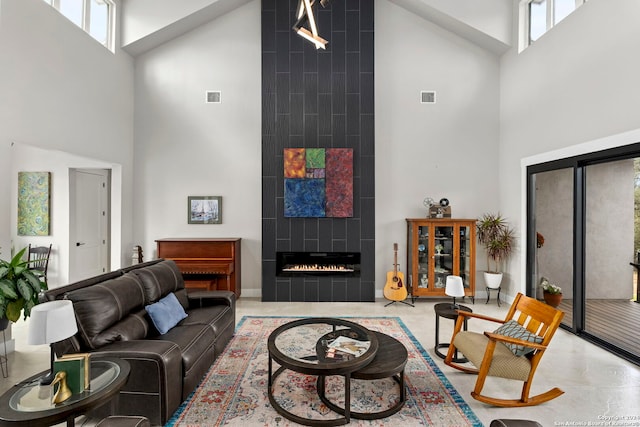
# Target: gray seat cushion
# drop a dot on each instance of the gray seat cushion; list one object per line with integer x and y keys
{"x": 473, "y": 345}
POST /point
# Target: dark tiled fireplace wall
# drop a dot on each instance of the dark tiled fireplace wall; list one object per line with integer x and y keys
{"x": 316, "y": 98}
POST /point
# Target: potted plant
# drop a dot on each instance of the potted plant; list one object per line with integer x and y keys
{"x": 552, "y": 293}
{"x": 19, "y": 289}
{"x": 497, "y": 238}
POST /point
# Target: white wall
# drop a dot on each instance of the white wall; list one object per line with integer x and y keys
{"x": 448, "y": 149}
{"x": 61, "y": 90}
{"x": 574, "y": 91}
{"x": 144, "y": 17}
{"x": 215, "y": 149}
{"x": 185, "y": 147}
{"x": 148, "y": 24}
{"x": 492, "y": 17}
{"x": 58, "y": 163}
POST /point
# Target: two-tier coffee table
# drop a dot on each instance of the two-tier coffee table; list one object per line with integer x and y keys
{"x": 389, "y": 362}
{"x": 301, "y": 346}
{"x": 29, "y": 404}
{"x": 304, "y": 346}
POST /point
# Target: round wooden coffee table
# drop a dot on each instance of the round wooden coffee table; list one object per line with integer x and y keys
{"x": 388, "y": 363}
{"x": 29, "y": 404}
{"x": 303, "y": 346}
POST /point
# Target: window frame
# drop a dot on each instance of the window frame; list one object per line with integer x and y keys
{"x": 86, "y": 20}
{"x": 524, "y": 23}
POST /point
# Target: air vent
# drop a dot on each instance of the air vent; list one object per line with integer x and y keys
{"x": 427, "y": 97}
{"x": 214, "y": 97}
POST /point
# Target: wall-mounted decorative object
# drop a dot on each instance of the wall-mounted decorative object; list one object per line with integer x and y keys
{"x": 205, "y": 209}
{"x": 318, "y": 182}
{"x": 33, "y": 203}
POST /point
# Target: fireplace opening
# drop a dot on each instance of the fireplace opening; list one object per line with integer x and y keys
{"x": 318, "y": 264}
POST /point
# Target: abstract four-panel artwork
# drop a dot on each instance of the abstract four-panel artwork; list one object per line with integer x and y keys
{"x": 318, "y": 182}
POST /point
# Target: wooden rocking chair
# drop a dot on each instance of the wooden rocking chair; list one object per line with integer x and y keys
{"x": 491, "y": 355}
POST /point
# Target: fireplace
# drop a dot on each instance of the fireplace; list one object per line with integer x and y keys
{"x": 345, "y": 264}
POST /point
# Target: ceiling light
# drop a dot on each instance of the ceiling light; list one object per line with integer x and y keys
{"x": 305, "y": 15}
{"x": 317, "y": 40}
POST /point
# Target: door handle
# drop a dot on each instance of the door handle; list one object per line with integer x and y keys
{"x": 79, "y": 244}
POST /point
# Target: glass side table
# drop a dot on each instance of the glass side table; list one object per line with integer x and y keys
{"x": 29, "y": 403}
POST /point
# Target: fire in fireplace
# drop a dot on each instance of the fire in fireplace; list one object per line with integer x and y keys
{"x": 318, "y": 263}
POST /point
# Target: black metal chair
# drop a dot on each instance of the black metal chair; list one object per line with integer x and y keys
{"x": 38, "y": 259}
{"x": 4, "y": 361}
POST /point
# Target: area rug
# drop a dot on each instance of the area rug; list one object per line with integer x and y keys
{"x": 234, "y": 391}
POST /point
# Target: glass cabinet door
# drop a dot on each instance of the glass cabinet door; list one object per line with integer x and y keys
{"x": 437, "y": 248}
{"x": 464, "y": 268}
{"x": 423, "y": 257}
{"x": 442, "y": 255}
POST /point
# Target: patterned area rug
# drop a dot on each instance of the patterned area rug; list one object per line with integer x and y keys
{"x": 234, "y": 391}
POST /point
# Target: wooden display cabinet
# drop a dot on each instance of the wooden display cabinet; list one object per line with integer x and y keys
{"x": 437, "y": 248}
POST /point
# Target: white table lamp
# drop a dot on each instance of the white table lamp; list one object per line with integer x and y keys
{"x": 51, "y": 322}
{"x": 454, "y": 288}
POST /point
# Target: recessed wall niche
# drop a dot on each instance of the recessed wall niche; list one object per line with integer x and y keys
{"x": 318, "y": 99}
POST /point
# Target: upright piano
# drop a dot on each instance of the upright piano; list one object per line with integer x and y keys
{"x": 205, "y": 263}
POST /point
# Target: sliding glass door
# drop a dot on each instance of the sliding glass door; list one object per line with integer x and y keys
{"x": 553, "y": 222}
{"x": 583, "y": 231}
{"x": 609, "y": 251}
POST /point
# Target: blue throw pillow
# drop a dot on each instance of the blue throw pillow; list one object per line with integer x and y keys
{"x": 514, "y": 330}
{"x": 166, "y": 313}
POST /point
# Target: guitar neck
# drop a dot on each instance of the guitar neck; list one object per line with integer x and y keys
{"x": 395, "y": 259}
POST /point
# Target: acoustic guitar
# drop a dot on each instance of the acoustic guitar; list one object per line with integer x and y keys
{"x": 394, "y": 289}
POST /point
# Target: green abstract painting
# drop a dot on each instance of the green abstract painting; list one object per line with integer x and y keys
{"x": 33, "y": 203}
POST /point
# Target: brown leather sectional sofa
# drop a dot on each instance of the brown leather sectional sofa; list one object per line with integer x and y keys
{"x": 112, "y": 321}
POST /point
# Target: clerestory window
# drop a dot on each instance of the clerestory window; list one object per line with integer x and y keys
{"x": 539, "y": 16}
{"x": 96, "y": 17}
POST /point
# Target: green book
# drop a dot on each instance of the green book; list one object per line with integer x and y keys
{"x": 85, "y": 357}
{"x": 75, "y": 373}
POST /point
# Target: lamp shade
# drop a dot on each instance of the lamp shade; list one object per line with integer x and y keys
{"x": 51, "y": 322}
{"x": 454, "y": 287}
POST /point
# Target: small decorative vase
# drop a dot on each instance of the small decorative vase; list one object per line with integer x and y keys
{"x": 553, "y": 300}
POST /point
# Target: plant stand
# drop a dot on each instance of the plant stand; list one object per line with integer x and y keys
{"x": 489, "y": 294}
{"x": 4, "y": 362}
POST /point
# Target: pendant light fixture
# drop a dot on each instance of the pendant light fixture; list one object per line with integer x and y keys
{"x": 304, "y": 15}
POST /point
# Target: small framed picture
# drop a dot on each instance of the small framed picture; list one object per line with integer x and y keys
{"x": 205, "y": 209}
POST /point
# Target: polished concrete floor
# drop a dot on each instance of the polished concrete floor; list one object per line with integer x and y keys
{"x": 598, "y": 386}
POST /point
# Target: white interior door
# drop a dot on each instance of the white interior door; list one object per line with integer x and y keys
{"x": 89, "y": 223}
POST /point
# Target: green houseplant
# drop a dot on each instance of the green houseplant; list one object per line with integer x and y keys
{"x": 19, "y": 288}
{"x": 497, "y": 238}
